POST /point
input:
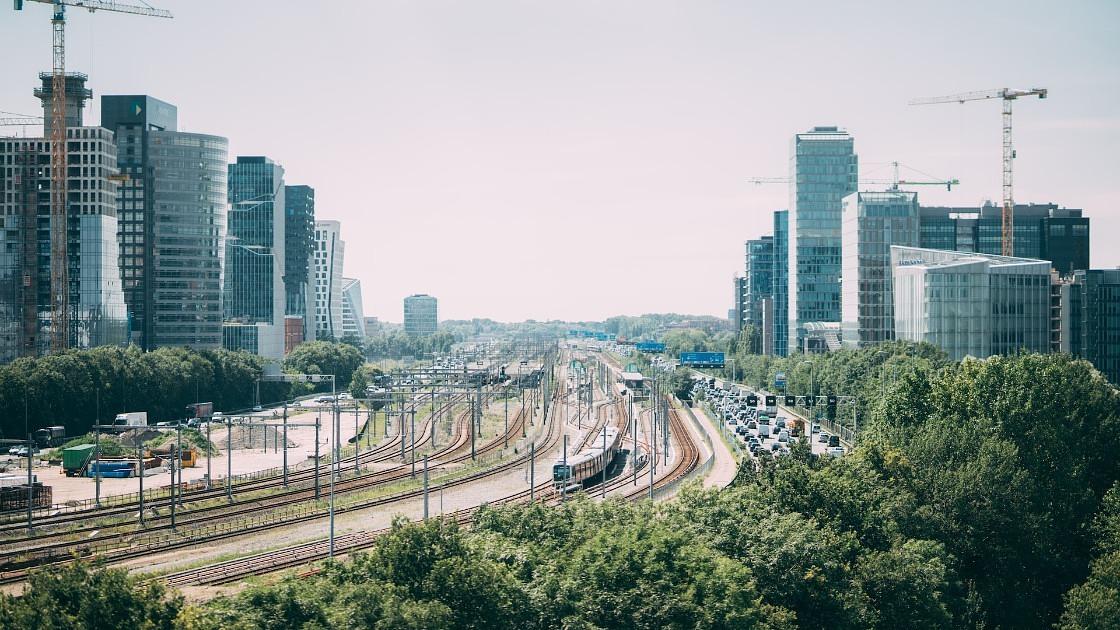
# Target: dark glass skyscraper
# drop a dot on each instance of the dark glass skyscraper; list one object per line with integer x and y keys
{"x": 172, "y": 212}
{"x": 758, "y": 285}
{"x": 299, "y": 244}
{"x": 1044, "y": 231}
{"x": 823, "y": 170}
{"x": 254, "y": 278}
{"x": 780, "y": 278}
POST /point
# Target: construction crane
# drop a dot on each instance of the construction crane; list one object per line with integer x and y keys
{"x": 1007, "y": 95}
{"x": 60, "y": 282}
{"x": 892, "y": 184}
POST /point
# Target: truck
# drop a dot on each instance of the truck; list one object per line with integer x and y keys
{"x": 75, "y": 458}
{"x": 130, "y": 420}
{"x": 48, "y": 437}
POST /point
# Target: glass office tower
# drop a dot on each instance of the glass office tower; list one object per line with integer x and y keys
{"x": 254, "y": 278}
{"x": 823, "y": 170}
{"x": 420, "y": 315}
{"x": 299, "y": 245}
{"x": 780, "y": 279}
{"x": 872, "y": 222}
{"x": 172, "y": 213}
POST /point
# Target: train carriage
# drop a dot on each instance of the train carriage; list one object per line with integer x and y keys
{"x": 589, "y": 462}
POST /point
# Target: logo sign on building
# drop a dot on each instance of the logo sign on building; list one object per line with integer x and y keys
{"x": 650, "y": 346}
{"x": 702, "y": 359}
{"x": 780, "y": 380}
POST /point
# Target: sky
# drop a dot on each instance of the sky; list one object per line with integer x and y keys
{"x": 577, "y": 159}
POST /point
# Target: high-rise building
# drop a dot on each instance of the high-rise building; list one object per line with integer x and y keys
{"x": 1085, "y": 318}
{"x": 299, "y": 245}
{"x": 823, "y": 170}
{"x": 1044, "y": 231}
{"x": 738, "y": 312}
{"x": 872, "y": 222}
{"x": 254, "y": 272}
{"x": 779, "y": 326}
{"x": 172, "y": 219}
{"x": 971, "y": 304}
{"x": 759, "y": 277}
{"x": 329, "y": 251}
{"x": 97, "y": 312}
{"x": 372, "y": 325}
{"x": 353, "y": 321}
{"x": 420, "y": 315}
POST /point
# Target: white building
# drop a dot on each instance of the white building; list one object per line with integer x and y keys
{"x": 971, "y": 304}
{"x": 353, "y": 321}
{"x": 329, "y": 250}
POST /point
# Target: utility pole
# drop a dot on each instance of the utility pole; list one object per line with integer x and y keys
{"x": 532, "y": 471}
{"x": 425, "y": 488}
{"x": 229, "y": 460}
{"x": 285, "y": 444}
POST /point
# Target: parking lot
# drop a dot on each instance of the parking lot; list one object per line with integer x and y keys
{"x": 757, "y": 428}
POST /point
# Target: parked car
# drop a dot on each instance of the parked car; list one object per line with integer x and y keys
{"x": 23, "y": 451}
{"x": 258, "y": 408}
{"x": 15, "y": 449}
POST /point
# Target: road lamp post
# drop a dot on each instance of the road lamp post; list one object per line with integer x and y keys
{"x": 812, "y": 393}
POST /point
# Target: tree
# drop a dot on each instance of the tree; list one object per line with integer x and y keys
{"x": 358, "y": 384}
{"x": 680, "y": 382}
{"x": 321, "y": 357}
{"x": 73, "y": 596}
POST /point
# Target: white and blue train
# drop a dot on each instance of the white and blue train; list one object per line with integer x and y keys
{"x": 589, "y": 462}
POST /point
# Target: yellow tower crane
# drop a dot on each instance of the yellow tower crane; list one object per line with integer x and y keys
{"x": 1007, "y": 95}
{"x": 60, "y": 282}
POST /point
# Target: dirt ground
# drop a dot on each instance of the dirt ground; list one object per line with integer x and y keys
{"x": 245, "y": 460}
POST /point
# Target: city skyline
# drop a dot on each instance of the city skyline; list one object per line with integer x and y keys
{"x": 484, "y": 128}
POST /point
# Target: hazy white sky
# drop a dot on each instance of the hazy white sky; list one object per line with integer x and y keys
{"x": 577, "y": 159}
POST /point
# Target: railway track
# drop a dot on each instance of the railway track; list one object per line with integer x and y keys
{"x": 268, "y": 562}
{"x": 235, "y": 570}
{"x": 451, "y": 454}
{"x": 384, "y": 451}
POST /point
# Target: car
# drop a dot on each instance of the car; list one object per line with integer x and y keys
{"x": 780, "y": 422}
{"x": 783, "y": 436}
{"x": 777, "y": 430}
{"x": 23, "y": 451}
{"x": 752, "y": 425}
{"x": 833, "y": 441}
{"x": 165, "y": 424}
{"x": 194, "y": 423}
{"x": 15, "y": 449}
{"x": 741, "y": 430}
{"x": 816, "y": 428}
{"x": 258, "y": 408}
{"x": 836, "y": 451}
{"x": 345, "y": 396}
{"x": 775, "y": 447}
{"x": 823, "y": 437}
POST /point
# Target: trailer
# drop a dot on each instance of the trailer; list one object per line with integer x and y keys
{"x": 75, "y": 458}
{"x": 130, "y": 420}
{"x": 49, "y": 437}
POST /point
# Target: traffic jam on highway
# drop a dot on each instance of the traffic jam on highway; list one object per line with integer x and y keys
{"x": 759, "y": 427}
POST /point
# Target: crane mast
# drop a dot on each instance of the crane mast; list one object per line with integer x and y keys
{"x": 1007, "y": 95}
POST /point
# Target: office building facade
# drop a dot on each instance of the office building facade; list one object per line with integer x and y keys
{"x": 1085, "y": 318}
{"x": 97, "y": 312}
{"x": 823, "y": 170}
{"x": 172, "y": 215}
{"x": 759, "y": 277}
{"x": 1041, "y": 231}
{"x": 871, "y": 223}
{"x": 971, "y": 304}
{"x": 738, "y": 312}
{"x": 329, "y": 252}
{"x": 353, "y": 320}
{"x": 254, "y": 296}
{"x": 299, "y": 247}
{"x": 421, "y": 315}
{"x": 779, "y": 325}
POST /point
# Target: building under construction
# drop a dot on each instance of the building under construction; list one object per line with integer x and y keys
{"x": 95, "y": 301}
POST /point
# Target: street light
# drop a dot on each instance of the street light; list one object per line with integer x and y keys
{"x": 813, "y": 393}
